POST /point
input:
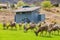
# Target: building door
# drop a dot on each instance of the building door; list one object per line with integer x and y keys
{"x": 41, "y": 17}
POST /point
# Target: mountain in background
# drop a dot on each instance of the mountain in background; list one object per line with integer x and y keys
{"x": 10, "y": 1}
{"x": 27, "y": 1}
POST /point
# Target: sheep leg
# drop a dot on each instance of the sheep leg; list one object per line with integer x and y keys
{"x": 58, "y": 32}
{"x": 49, "y": 33}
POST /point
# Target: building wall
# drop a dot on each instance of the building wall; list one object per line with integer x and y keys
{"x": 33, "y": 17}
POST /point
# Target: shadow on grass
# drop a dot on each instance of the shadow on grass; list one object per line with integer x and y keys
{"x": 56, "y": 34}
{"x": 46, "y": 36}
{"x": 13, "y": 29}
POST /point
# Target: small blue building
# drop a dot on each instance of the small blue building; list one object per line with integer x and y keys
{"x": 29, "y": 14}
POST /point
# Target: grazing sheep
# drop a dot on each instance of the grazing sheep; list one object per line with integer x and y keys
{"x": 49, "y": 29}
{"x": 41, "y": 29}
{"x": 12, "y": 24}
{"x": 31, "y": 26}
{"x": 54, "y": 27}
{"x": 4, "y": 25}
{"x": 20, "y": 25}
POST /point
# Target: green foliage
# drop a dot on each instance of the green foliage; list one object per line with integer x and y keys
{"x": 46, "y": 4}
{"x": 12, "y": 6}
{"x": 0, "y": 7}
{"x": 32, "y": 5}
{"x": 21, "y": 3}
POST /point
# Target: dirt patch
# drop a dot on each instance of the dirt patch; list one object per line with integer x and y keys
{"x": 52, "y": 15}
{"x": 6, "y": 15}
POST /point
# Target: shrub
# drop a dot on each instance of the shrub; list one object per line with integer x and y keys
{"x": 0, "y": 7}
{"x": 21, "y": 3}
{"x": 12, "y": 6}
{"x": 46, "y": 4}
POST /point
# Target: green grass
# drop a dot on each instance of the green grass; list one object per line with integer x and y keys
{"x": 20, "y": 35}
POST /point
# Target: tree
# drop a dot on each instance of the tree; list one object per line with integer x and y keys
{"x": 46, "y": 4}
{"x": 21, "y": 3}
{"x": 12, "y": 6}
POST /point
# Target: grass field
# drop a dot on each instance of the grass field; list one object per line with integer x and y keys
{"x": 20, "y": 35}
